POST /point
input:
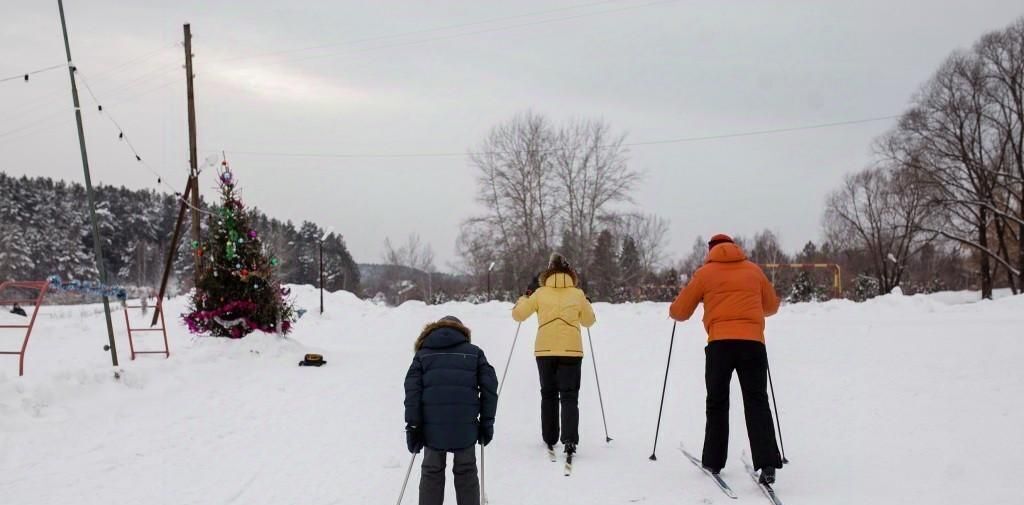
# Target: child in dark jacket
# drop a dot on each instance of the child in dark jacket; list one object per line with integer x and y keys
{"x": 451, "y": 395}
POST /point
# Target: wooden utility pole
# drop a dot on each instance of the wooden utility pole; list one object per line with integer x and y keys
{"x": 97, "y": 248}
{"x": 193, "y": 159}
{"x": 171, "y": 251}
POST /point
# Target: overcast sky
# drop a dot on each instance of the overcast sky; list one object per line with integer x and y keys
{"x": 394, "y": 78}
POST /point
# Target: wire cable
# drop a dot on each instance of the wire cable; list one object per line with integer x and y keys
{"x": 466, "y": 34}
{"x": 138, "y": 158}
{"x": 25, "y": 75}
{"x": 679, "y": 140}
{"x": 415, "y": 32}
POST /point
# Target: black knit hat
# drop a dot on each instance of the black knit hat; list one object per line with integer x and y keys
{"x": 558, "y": 261}
{"x": 451, "y": 319}
{"x": 720, "y": 238}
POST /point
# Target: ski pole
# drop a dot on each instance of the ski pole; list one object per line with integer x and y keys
{"x": 483, "y": 492}
{"x": 778, "y": 421}
{"x": 664, "y": 386}
{"x": 406, "y": 481}
{"x": 509, "y": 360}
{"x": 598, "y": 380}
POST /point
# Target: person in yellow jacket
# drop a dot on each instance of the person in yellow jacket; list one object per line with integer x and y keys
{"x": 561, "y": 309}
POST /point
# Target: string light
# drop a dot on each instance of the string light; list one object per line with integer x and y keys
{"x": 124, "y": 137}
{"x": 25, "y": 75}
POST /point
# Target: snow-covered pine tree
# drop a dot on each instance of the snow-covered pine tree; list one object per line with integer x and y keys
{"x": 865, "y": 287}
{"x": 238, "y": 292}
{"x": 805, "y": 289}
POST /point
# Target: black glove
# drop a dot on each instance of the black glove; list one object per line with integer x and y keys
{"x": 534, "y": 284}
{"x": 486, "y": 434}
{"x": 414, "y": 439}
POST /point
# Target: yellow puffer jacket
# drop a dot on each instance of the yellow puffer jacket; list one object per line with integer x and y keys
{"x": 561, "y": 308}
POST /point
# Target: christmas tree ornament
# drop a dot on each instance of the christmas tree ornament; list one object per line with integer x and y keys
{"x": 227, "y": 178}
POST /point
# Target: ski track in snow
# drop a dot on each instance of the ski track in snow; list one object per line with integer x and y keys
{"x": 896, "y": 400}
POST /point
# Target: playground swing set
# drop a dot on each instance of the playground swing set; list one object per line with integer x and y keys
{"x": 40, "y": 288}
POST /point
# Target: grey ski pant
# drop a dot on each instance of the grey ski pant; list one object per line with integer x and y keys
{"x": 467, "y": 485}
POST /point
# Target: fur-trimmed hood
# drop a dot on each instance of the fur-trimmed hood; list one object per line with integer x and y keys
{"x": 444, "y": 333}
{"x": 543, "y": 278}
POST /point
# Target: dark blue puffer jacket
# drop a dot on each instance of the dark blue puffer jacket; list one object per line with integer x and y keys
{"x": 450, "y": 389}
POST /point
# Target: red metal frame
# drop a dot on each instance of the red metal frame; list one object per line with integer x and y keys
{"x": 163, "y": 328}
{"x": 41, "y": 286}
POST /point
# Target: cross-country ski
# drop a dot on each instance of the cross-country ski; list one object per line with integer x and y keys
{"x": 716, "y": 478}
{"x": 766, "y": 489}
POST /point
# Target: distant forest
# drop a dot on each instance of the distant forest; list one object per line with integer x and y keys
{"x": 45, "y": 230}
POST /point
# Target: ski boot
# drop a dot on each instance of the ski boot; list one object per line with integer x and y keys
{"x": 767, "y": 476}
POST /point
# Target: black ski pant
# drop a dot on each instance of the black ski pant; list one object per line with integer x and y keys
{"x": 750, "y": 361}
{"x": 467, "y": 486}
{"x": 560, "y": 387}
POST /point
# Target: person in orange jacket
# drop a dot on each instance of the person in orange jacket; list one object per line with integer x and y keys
{"x": 737, "y": 298}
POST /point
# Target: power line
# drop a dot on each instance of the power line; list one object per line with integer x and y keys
{"x": 763, "y": 132}
{"x": 417, "y": 32}
{"x": 25, "y": 75}
{"x": 679, "y": 140}
{"x": 477, "y": 32}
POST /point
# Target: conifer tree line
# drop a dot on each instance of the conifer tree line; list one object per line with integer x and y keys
{"x": 44, "y": 231}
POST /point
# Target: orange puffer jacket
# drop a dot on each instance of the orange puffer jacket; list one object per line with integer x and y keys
{"x": 736, "y": 294}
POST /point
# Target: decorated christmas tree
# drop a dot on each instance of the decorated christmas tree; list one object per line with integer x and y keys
{"x": 237, "y": 292}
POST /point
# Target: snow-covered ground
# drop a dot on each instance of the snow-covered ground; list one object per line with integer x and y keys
{"x": 897, "y": 400}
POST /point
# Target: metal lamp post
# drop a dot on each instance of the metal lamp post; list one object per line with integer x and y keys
{"x": 321, "y": 245}
{"x": 489, "y": 269}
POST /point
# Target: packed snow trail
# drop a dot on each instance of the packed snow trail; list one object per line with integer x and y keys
{"x": 896, "y": 400}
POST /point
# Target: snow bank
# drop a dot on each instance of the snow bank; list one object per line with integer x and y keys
{"x": 901, "y": 399}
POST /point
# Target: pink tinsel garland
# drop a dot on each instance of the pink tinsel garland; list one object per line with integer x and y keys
{"x": 200, "y": 320}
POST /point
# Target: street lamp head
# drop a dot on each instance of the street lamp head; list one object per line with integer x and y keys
{"x": 491, "y": 267}
{"x": 327, "y": 233}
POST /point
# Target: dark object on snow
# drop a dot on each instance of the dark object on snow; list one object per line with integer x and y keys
{"x": 451, "y": 391}
{"x": 16, "y": 309}
{"x": 313, "y": 360}
{"x": 750, "y": 361}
